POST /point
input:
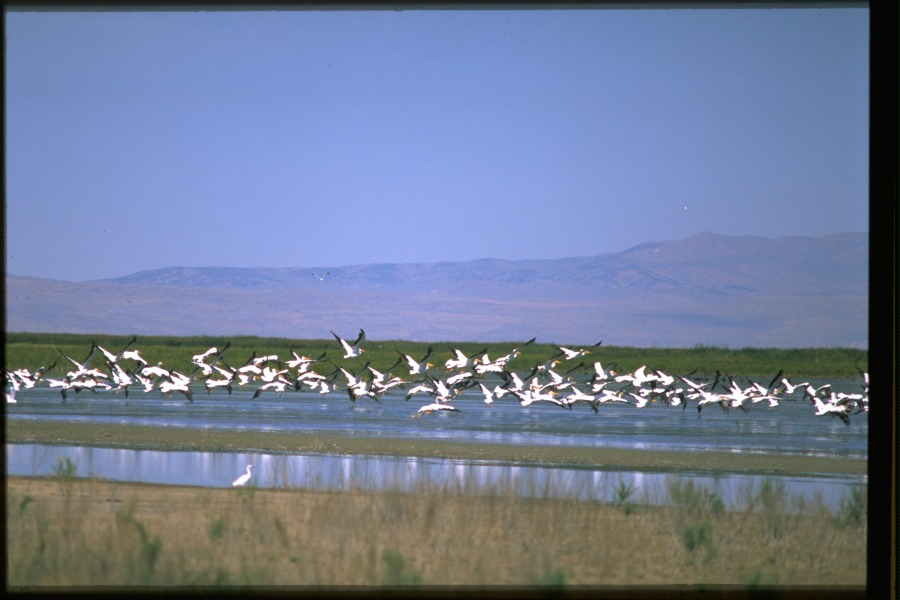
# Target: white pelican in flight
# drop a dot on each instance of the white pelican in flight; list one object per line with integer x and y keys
{"x": 301, "y": 363}
{"x": 14, "y": 387}
{"x": 351, "y": 350}
{"x": 462, "y": 361}
{"x": 830, "y": 408}
{"x": 571, "y": 354}
{"x": 428, "y": 408}
{"x": 84, "y": 367}
{"x": 418, "y": 367}
{"x": 499, "y": 364}
{"x": 114, "y": 358}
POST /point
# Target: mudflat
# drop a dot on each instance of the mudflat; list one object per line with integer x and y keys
{"x": 19, "y": 431}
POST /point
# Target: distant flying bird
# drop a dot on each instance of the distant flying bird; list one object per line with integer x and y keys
{"x": 514, "y": 353}
{"x": 279, "y": 385}
{"x": 29, "y": 379}
{"x": 200, "y": 359}
{"x": 786, "y": 386}
{"x": 351, "y": 350}
{"x": 177, "y": 382}
{"x": 243, "y": 479}
{"x": 134, "y": 355}
{"x": 320, "y": 277}
{"x": 302, "y": 362}
{"x": 14, "y": 387}
{"x": 418, "y": 367}
{"x": 576, "y": 395}
{"x": 462, "y": 361}
{"x": 570, "y": 354}
{"x": 354, "y": 380}
{"x": 114, "y": 358}
{"x": 514, "y": 383}
{"x": 638, "y": 377}
{"x": 428, "y": 408}
{"x": 602, "y": 375}
{"x": 121, "y": 377}
{"x": 62, "y": 384}
{"x": 84, "y": 367}
{"x": 490, "y": 395}
{"x": 830, "y": 408}
{"x": 542, "y": 384}
{"x": 485, "y": 365}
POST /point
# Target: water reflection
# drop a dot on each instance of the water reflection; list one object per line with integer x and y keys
{"x": 331, "y": 472}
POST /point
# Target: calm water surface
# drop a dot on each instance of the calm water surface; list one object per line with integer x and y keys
{"x": 789, "y": 429}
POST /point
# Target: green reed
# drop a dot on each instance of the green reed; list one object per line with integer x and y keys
{"x": 33, "y": 350}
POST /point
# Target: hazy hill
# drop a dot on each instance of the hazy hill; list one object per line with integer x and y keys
{"x": 707, "y": 289}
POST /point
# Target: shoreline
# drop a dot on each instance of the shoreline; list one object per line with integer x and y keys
{"x": 139, "y": 437}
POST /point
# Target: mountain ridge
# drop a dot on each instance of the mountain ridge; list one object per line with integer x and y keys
{"x": 705, "y": 289}
{"x": 634, "y": 266}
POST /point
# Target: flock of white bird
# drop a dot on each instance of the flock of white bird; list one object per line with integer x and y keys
{"x": 551, "y": 382}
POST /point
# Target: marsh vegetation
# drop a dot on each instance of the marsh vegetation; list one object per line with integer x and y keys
{"x": 35, "y": 349}
{"x": 87, "y": 532}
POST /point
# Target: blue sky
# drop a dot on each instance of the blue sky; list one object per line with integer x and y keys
{"x": 300, "y": 138}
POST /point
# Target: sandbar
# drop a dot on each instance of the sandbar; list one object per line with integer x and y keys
{"x": 139, "y": 437}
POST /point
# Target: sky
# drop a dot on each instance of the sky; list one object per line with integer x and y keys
{"x": 143, "y": 140}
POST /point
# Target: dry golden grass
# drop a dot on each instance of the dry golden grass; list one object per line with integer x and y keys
{"x": 82, "y": 532}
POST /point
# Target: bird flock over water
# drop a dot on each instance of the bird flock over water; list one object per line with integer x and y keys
{"x": 438, "y": 384}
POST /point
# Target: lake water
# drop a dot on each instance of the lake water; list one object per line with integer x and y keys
{"x": 789, "y": 429}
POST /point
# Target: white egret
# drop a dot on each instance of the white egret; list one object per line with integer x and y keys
{"x": 243, "y": 479}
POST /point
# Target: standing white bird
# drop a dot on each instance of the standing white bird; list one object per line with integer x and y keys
{"x": 243, "y": 479}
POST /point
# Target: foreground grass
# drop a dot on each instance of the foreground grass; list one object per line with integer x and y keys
{"x": 33, "y": 350}
{"x": 63, "y": 531}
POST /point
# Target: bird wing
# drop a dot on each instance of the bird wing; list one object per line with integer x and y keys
{"x": 347, "y": 348}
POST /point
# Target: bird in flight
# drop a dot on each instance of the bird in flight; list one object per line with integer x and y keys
{"x": 571, "y": 354}
{"x": 351, "y": 349}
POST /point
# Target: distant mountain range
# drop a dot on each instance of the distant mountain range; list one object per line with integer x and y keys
{"x": 710, "y": 289}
